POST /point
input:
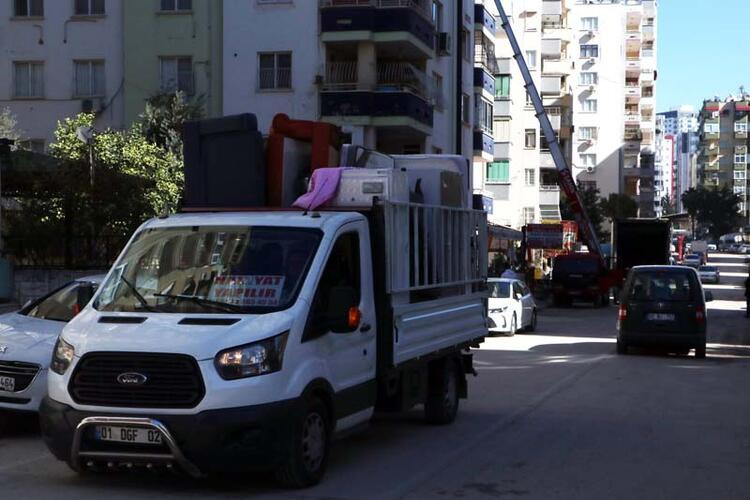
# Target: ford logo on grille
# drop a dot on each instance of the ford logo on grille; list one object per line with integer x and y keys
{"x": 132, "y": 378}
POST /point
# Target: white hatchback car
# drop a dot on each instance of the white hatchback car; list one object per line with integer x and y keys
{"x": 27, "y": 338}
{"x": 511, "y": 306}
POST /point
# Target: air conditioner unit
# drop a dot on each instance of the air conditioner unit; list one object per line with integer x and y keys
{"x": 443, "y": 41}
{"x": 592, "y": 88}
{"x": 592, "y": 60}
{"x": 715, "y": 114}
{"x": 590, "y": 169}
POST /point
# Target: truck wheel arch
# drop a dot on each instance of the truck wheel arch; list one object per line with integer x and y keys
{"x": 323, "y": 390}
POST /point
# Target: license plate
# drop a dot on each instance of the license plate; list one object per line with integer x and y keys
{"x": 137, "y": 435}
{"x": 7, "y": 384}
{"x": 660, "y": 317}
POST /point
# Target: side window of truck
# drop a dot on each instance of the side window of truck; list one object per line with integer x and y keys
{"x": 342, "y": 270}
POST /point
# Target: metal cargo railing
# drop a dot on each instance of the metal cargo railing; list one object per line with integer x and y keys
{"x": 430, "y": 247}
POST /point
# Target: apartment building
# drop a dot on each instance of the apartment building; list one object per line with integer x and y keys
{"x": 682, "y": 124}
{"x": 614, "y": 98}
{"x": 522, "y": 177}
{"x": 386, "y": 72}
{"x": 665, "y": 175}
{"x": 59, "y": 59}
{"x": 171, "y": 45}
{"x": 723, "y": 154}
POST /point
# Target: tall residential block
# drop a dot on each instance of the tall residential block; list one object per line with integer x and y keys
{"x": 682, "y": 124}
{"x": 665, "y": 175}
{"x": 614, "y": 97}
{"x": 386, "y": 72}
{"x": 172, "y": 45}
{"x": 60, "y": 58}
{"x": 723, "y": 156}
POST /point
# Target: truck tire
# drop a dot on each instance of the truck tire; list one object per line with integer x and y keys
{"x": 441, "y": 405}
{"x": 311, "y": 444}
{"x": 700, "y": 352}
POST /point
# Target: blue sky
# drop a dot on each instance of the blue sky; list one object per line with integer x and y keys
{"x": 702, "y": 50}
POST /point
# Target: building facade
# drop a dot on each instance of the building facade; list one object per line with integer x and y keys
{"x": 614, "y": 98}
{"x": 665, "y": 175}
{"x": 59, "y": 59}
{"x": 682, "y": 124}
{"x": 723, "y": 156}
{"x": 386, "y": 72}
{"x": 172, "y": 45}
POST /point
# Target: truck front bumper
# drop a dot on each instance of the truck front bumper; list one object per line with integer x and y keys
{"x": 210, "y": 442}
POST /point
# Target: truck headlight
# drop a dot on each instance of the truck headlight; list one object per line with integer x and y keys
{"x": 258, "y": 358}
{"x": 62, "y": 357}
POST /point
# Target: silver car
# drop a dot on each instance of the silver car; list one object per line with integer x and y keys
{"x": 709, "y": 274}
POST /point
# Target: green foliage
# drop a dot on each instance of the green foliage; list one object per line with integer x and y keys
{"x": 618, "y": 206}
{"x": 134, "y": 180}
{"x": 8, "y": 125}
{"x": 164, "y": 116}
{"x": 717, "y": 209}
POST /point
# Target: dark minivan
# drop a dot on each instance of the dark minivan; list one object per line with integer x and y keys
{"x": 663, "y": 306}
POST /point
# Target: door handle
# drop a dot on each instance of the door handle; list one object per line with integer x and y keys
{"x": 365, "y": 328}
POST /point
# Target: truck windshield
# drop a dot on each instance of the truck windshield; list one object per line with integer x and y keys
{"x": 210, "y": 269}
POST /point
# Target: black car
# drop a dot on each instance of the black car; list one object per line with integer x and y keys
{"x": 663, "y": 306}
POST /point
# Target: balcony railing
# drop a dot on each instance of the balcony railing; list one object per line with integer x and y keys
{"x": 421, "y": 6}
{"x": 405, "y": 76}
{"x": 341, "y": 75}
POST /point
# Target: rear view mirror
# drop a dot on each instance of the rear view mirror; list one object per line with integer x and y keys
{"x": 342, "y": 314}
{"x": 709, "y": 297}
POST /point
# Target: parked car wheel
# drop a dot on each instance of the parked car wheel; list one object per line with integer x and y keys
{"x": 441, "y": 406}
{"x": 311, "y": 444}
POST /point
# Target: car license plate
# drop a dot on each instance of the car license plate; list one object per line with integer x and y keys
{"x": 7, "y": 384}
{"x": 137, "y": 435}
{"x": 660, "y": 317}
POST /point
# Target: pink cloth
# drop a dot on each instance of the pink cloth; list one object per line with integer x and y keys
{"x": 323, "y": 187}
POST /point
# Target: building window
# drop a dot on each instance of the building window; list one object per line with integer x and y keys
{"x": 483, "y": 115}
{"x": 498, "y": 171}
{"x": 89, "y": 76}
{"x": 740, "y": 175}
{"x": 590, "y": 23}
{"x": 502, "y": 86}
{"x": 530, "y": 177}
{"x": 588, "y": 51}
{"x": 176, "y": 5}
{"x": 275, "y": 70}
{"x": 528, "y": 215}
{"x": 29, "y": 8}
{"x": 28, "y": 79}
{"x": 740, "y": 127}
{"x": 176, "y": 74}
{"x": 740, "y": 158}
{"x": 89, "y": 7}
{"x": 466, "y": 44}
{"x": 531, "y": 59}
{"x": 589, "y": 78}
{"x": 530, "y": 138}
{"x": 590, "y": 105}
{"x": 501, "y": 130}
{"x": 711, "y": 128}
{"x": 587, "y": 133}
{"x": 530, "y": 21}
{"x": 529, "y": 101}
{"x": 33, "y": 145}
{"x": 437, "y": 82}
{"x": 437, "y": 15}
{"x": 466, "y": 109}
{"x": 588, "y": 160}
{"x": 586, "y": 185}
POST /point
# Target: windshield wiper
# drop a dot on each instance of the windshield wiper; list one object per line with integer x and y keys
{"x": 138, "y": 295}
{"x": 203, "y": 302}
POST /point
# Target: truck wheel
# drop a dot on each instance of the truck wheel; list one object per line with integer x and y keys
{"x": 311, "y": 443}
{"x": 700, "y": 352}
{"x": 441, "y": 405}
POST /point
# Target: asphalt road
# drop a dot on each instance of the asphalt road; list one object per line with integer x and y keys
{"x": 554, "y": 414}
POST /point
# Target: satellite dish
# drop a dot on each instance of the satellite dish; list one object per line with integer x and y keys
{"x": 85, "y": 134}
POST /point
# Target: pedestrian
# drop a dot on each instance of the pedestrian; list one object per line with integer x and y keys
{"x": 747, "y": 295}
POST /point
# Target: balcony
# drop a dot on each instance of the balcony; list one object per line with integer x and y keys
{"x": 377, "y": 108}
{"x": 502, "y": 150}
{"x": 740, "y": 166}
{"x": 648, "y": 31}
{"x": 557, "y": 67}
{"x": 647, "y": 76}
{"x": 406, "y": 25}
{"x": 633, "y": 63}
{"x": 647, "y": 53}
{"x": 484, "y": 82}
{"x": 484, "y": 145}
{"x": 504, "y": 65}
{"x": 502, "y": 107}
{"x": 714, "y": 182}
{"x": 552, "y": 8}
{"x": 712, "y": 166}
{"x": 555, "y": 120}
{"x": 551, "y": 85}
{"x": 552, "y": 48}
{"x": 632, "y": 119}
{"x": 649, "y": 7}
{"x": 549, "y": 194}
{"x": 484, "y": 21}
{"x": 633, "y": 92}
{"x": 545, "y": 160}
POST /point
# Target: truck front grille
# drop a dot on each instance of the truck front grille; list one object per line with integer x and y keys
{"x": 23, "y": 373}
{"x": 171, "y": 380}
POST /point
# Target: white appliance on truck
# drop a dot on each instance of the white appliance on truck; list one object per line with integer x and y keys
{"x": 246, "y": 340}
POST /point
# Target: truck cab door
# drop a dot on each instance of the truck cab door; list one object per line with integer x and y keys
{"x": 342, "y": 322}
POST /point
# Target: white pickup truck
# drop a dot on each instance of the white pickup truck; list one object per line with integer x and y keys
{"x": 247, "y": 340}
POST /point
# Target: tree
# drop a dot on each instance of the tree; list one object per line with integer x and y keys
{"x": 668, "y": 206}
{"x": 715, "y": 208}
{"x": 164, "y": 116}
{"x": 8, "y": 125}
{"x": 591, "y": 203}
{"x": 619, "y": 206}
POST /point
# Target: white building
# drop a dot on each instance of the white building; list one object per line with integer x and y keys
{"x": 384, "y": 71}
{"x": 614, "y": 116}
{"x": 60, "y": 58}
{"x": 665, "y": 185}
{"x": 682, "y": 124}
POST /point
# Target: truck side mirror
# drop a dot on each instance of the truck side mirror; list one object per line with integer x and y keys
{"x": 84, "y": 294}
{"x": 342, "y": 313}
